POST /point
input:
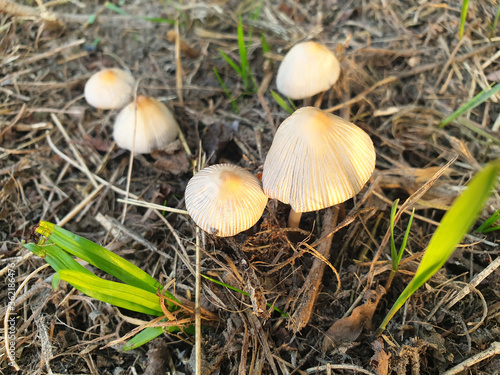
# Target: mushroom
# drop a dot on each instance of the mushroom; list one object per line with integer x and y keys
{"x": 225, "y": 199}
{"x": 109, "y": 89}
{"x": 307, "y": 69}
{"x": 153, "y": 126}
{"x": 316, "y": 160}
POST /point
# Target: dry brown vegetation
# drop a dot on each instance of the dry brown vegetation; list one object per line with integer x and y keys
{"x": 403, "y": 70}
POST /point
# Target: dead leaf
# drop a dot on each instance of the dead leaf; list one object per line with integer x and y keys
{"x": 494, "y": 76}
{"x": 348, "y": 329}
{"x": 175, "y": 164}
{"x": 380, "y": 359}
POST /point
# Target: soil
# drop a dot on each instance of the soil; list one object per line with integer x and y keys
{"x": 403, "y": 70}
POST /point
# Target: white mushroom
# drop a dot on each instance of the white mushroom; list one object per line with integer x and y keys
{"x": 317, "y": 160}
{"x": 155, "y": 126}
{"x": 109, "y": 89}
{"x": 225, "y": 199}
{"x": 307, "y": 69}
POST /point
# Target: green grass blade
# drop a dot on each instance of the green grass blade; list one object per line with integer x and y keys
{"x": 231, "y": 63}
{"x": 405, "y": 239}
{"x": 453, "y": 227}
{"x": 223, "y": 85}
{"x": 256, "y": 13}
{"x": 243, "y": 54}
{"x": 116, "y": 9}
{"x": 463, "y": 17}
{"x": 265, "y": 45}
{"x": 474, "y": 102}
{"x": 98, "y": 256}
{"x": 491, "y": 229}
{"x": 471, "y": 126}
{"x": 495, "y": 23}
{"x": 242, "y": 292}
{"x": 394, "y": 254}
{"x": 143, "y": 337}
{"x": 281, "y": 102}
{"x": 118, "y": 294}
{"x": 487, "y": 227}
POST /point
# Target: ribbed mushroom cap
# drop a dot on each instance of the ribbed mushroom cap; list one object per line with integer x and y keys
{"x": 109, "y": 89}
{"x": 225, "y": 199}
{"x": 317, "y": 160}
{"x": 155, "y": 126}
{"x": 307, "y": 69}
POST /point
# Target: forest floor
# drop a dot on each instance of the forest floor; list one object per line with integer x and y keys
{"x": 404, "y": 69}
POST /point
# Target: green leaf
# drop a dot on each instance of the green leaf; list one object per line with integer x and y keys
{"x": 231, "y": 63}
{"x": 243, "y": 53}
{"x": 98, "y": 256}
{"x": 265, "y": 45}
{"x": 394, "y": 254}
{"x": 463, "y": 17}
{"x": 143, "y": 337}
{"x": 118, "y": 294}
{"x": 453, "y": 227}
{"x": 487, "y": 226}
{"x": 405, "y": 239}
{"x": 474, "y": 102}
{"x": 281, "y": 102}
{"x": 115, "y": 9}
{"x": 91, "y": 19}
{"x": 56, "y": 257}
{"x": 495, "y": 23}
{"x": 471, "y": 126}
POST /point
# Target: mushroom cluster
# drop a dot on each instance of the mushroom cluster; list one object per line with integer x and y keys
{"x": 316, "y": 159}
{"x": 145, "y": 119}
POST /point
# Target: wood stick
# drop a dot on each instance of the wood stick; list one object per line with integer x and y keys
{"x": 310, "y": 290}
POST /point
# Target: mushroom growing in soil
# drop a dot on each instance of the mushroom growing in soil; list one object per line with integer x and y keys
{"x": 307, "y": 69}
{"x": 109, "y": 89}
{"x": 316, "y": 160}
{"x": 225, "y": 199}
{"x": 152, "y": 125}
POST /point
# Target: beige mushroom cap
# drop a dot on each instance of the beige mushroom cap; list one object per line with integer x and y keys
{"x": 307, "y": 69}
{"x": 109, "y": 89}
{"x": 225, "y": 199}
{"x": 156, "y": 126}
{"x": 317, "y": 160}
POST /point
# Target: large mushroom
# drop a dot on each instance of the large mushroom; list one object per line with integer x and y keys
{"x": 225, "y": 199}
{"x": 307, "y": 69}
{"x": 316, "y": 160}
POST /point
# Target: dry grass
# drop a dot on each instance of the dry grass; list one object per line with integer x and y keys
{"x": 404, "y": 70}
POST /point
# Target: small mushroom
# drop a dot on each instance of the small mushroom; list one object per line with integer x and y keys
{"x": 307, "y": 69}
{"x": 155, "y": 126}
{"x": 225, "y": 199}
{"x": 109, "y": 89}
{"x": 316, "y": 160}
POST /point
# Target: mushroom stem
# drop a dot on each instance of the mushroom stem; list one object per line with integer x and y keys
{"x": 294, "y": 219}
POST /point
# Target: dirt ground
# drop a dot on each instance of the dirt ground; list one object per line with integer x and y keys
{"x": 403, "y": 71}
